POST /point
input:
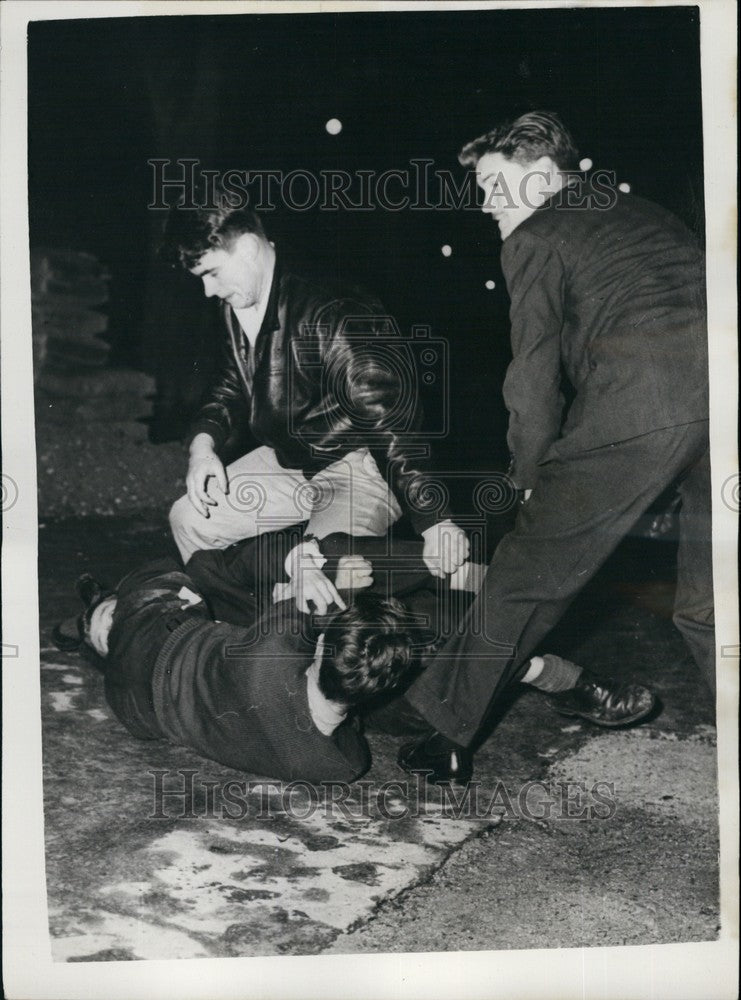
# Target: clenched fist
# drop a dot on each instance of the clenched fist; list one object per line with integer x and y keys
{"x": 353, "y": 573}
{"x": 446, "y": 548}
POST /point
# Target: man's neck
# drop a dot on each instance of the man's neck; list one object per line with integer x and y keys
{"x": 560, "y": 181}
{"x": 250, "y": 319}
{"x": 267, "y": 251}
{"x": 325, "y": 714}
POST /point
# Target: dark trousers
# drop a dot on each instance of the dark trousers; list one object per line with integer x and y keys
{"x": 584, "y": 504}
{"x": 147, "y": 612}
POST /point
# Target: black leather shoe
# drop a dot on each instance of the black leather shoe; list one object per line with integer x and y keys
{"x": 605, "y": 702}
{"x": 69, "y": 635}
{"x": 436, "y": 754}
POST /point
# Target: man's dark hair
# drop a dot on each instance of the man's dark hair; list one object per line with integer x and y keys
{"x": 368, "y": 650}
{"x": 191, "y": 232}
{"x": 532, "y": 135}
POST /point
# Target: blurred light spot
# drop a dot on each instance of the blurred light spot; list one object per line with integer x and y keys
{"x": 334, "y": 126}
{"x": 625, "y": 188}
{"x": 585, "y": 164}
{"x": 446, "y": 250}
{"x": 491, "y": 285}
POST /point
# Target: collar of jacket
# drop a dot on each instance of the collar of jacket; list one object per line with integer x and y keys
{"x": 270, "y": 319}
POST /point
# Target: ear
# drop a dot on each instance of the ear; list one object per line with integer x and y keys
{"x": 545, "y": 165}
{"x": 247, "y": 246}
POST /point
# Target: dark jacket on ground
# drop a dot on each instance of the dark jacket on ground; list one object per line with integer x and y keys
{"x": 607, "y": 289}
{"x": 235, "y": 695}
{"x": 330, "y": 373}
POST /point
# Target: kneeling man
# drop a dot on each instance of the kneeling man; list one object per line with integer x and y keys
{"x": 316, "y": 376}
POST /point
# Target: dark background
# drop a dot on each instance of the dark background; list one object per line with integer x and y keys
{"x": 254, "y": 92}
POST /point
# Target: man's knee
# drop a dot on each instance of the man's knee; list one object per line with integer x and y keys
{"x": 180, "y": 515}
{"x": 188, "y": 533}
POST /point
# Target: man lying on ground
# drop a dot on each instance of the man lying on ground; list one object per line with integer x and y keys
{"x": 277, "y": 691}
{"x": 233, "y": 578}
{"x": 277, "y": 698}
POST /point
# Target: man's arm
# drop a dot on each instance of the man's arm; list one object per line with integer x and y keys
{"x": 374, "y": 380}
{"x": 226, "y": 407}
{"x": 238, "y": 581}
{"x": 353, "y": 563}
{"x": 213, "y": 425}
{"x": 532, "y": 388}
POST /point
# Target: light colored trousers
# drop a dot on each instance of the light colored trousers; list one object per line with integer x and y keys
{"x": 349, "y": 496}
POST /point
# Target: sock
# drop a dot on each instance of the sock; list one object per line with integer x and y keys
{"x": 556, "y": 674}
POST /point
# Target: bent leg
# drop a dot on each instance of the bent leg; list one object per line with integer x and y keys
{"x": 263, "y": 496}
{"x": 350, "y": 496}
{"x": 584, "y": 504}
{"x": 150, "y": 605}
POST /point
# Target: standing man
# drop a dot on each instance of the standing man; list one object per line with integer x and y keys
{"x": 607, "y": 290}
{"x": 330, "y": 412}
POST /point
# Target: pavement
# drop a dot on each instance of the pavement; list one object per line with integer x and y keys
{"x": 569, "y": 836}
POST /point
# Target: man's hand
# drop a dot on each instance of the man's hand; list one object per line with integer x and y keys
{"x": 310, "y": 584}
{"x": 204, "y": 465}
{"x": 446, "y": 548}
{"x": 353, "y": 573}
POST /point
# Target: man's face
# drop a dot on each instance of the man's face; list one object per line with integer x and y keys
{"x": 512, "y": 191}
{"x": 232, "y": 275}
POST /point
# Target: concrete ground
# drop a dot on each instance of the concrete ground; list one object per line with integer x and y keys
{"x": 571, "y": 835}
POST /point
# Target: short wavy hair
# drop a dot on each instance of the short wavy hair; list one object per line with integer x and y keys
{"x": 368, "y": 650}
{"x": 532, "y": 135}
{"x": 192, "y": 232}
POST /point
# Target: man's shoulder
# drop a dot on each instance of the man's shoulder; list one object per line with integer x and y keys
{"x": 303, "y": 286}
{"x": 272, "y": 656}
{"x": 576, "y": 212}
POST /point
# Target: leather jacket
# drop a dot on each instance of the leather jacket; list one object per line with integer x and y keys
{"x": 329, "y": 374}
